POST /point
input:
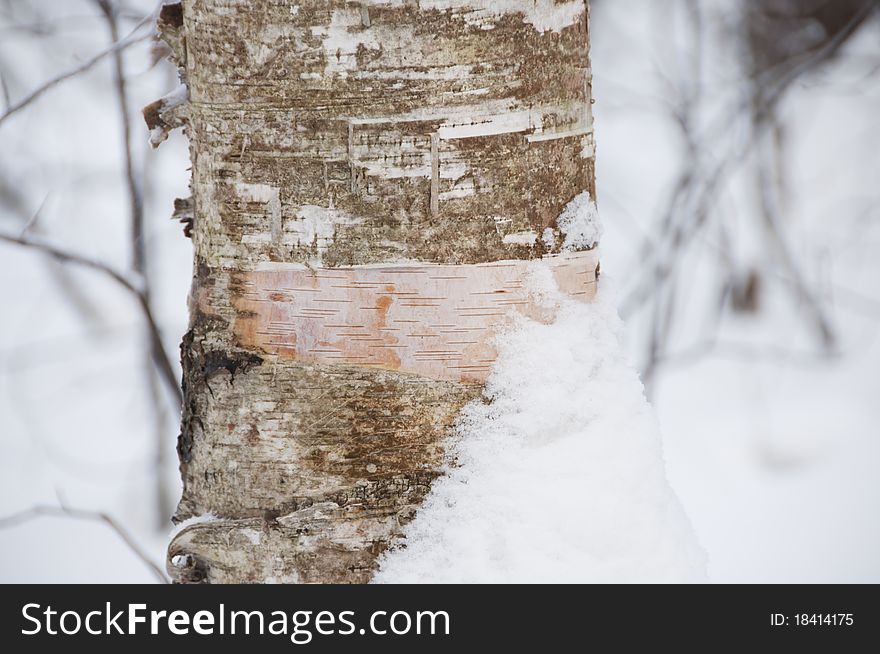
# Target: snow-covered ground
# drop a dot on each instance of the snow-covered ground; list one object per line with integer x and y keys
{"x": 771, "y": 448}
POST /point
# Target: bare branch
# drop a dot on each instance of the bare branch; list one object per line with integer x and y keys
{"x": 131, "y": 39}
{"x": 136, "y": 203}
{"x": 139, "y": 254}
{"x": 62, "y": 511}
{"x": 702, "y": 179}
{"x": 160, "y": 357}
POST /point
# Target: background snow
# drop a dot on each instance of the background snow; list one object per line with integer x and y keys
{"x": 76, "y": 417}
{"x": 772, "y": 447}
{"x": 772, "y": 450}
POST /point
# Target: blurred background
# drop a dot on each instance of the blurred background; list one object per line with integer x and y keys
{"x": 739, "y": 185}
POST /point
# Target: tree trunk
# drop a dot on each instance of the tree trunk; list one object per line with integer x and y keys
{"x": 370, "y": 181}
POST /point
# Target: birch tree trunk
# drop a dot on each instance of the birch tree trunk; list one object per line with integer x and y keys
{"x": 370, "y": 180}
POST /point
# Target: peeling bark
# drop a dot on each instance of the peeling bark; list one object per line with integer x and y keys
{"x": 370, "y": 180}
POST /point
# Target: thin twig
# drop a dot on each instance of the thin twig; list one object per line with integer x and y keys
{"x": 131, "y": 39}
{"x": 63, "y": 511}
{"x": 32, "y": 221}
{"x": 769, "y": 210}
{"x": 690, "y": 204}
{"x": 160, "y": 357}
{"x": 136, "y": 203}
{"x": 138, "y": 242}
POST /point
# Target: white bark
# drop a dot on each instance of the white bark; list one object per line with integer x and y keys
{"x": 369, "y": 181}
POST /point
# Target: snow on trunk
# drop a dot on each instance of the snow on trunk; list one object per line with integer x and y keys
{"x": 558, "y": 475}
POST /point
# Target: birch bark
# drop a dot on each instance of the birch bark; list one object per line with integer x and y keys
{"x": 370, "y": 180}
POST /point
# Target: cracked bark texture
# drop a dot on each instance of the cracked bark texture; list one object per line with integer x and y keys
{"x": 369, "y": 183}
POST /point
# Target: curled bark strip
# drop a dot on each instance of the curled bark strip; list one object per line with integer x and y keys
{"x": 169, "y": 112}
{"x": 169, "y": 26}
{"x": 183, "y": 213}
{"x": 166, "y": 114}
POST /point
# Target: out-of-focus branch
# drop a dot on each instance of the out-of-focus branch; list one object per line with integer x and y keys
{"x": 136, "y": 204}
{"x": 777, "y": 62}
{"x": 704, "y": 176}
{"x": 110, "y": 11}
{"x": 62, "y": 511}
{"x": 117, "y": 46}
{"x": 160, "y": 357}
{"x": 4, "y": 89}
{"x": 769, "y": 210}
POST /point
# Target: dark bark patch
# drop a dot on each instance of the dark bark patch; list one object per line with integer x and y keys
{"x": 233, "y": 362}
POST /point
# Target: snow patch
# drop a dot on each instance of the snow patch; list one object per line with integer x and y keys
{"x": 560, "y": 476}
{"x": 176, "y": 98}
{"x": 580, "y": 223}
